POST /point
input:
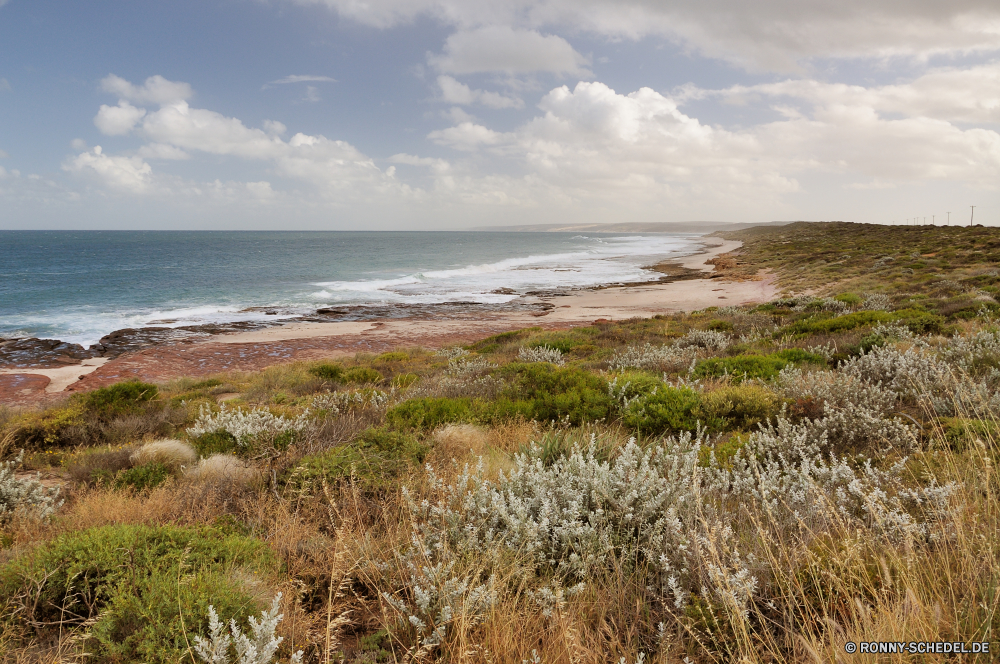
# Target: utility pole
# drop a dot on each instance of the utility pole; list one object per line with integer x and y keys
{"x": 949, "y": 219}
{"x": 932, "y": 220}
{"x": 973, "y": 215}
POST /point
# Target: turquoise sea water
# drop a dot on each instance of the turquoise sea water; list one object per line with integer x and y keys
{"x": 78, "y": 286}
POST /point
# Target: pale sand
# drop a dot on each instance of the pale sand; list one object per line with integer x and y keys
{"x": 62, "y": 377}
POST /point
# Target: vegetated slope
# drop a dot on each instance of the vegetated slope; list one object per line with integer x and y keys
{"x": 943, "y": 265}
{"x": 756, "y": 484}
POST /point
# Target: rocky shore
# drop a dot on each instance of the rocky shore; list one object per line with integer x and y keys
{"x": 33, "y": 353}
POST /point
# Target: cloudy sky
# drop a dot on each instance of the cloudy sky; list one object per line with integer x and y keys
{"x": 442, "y": 114}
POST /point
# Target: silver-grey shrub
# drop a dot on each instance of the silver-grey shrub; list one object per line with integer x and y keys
{"x": 969, "y": 351}
{"x": 259, "y": 647}
{"x": 540, "y": 354}
{"x": 649, "y": 356}
{"x": 877, "y": 302}
{"x": 24, "y": 496}
{"x": 337, "y": 402}
{"x": 939, "y": 381}
{"x": 438, "y": 595}
{"x": 836, "y": 389}
{"x": 246, "y": 425}
{"x": 908, "y": 373}
{"x": 662, "y": 505}
{"x": 708, "y": 339}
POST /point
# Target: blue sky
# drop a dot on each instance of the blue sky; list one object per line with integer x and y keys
{"x": 437, "y": 114}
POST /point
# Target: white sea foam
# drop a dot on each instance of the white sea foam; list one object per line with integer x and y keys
{"x": 576, "y": 262}
{"x": 604, "y": 260}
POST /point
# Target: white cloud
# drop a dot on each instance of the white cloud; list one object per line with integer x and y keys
{"x": 465, "y": 136}
{"x": 504, "y": 49}
{"x": 274, "y": 128}
{"x": 436, "y": 165}
{"x": 176, "y": 130}
{"x": 594, "y": 152}
{"x": 118, "y": 120}
{"x": 4, "y": 83}
{"x": 299, "y": 78}
{"x": 207, "y": 131}
{"x": 162, "y": 151}
{"x": 156, "y": 90}
{"x": 456, "y": 92}
{"x": 130, "y": 174}
{"x": 766, "y": 34}
{"x": 956, "y": 95}
{"x": 311, "y": 95}
{"x": 457, "y": 115}
{"x": 639, "y": 151}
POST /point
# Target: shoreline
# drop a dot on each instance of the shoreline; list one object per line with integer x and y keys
{"x": 254, "y": 349}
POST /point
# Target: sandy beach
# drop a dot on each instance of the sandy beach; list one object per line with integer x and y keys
{"x": 254, "y": 350}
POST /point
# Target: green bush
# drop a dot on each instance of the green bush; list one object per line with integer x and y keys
{"x": 362, "y": 375}
{"x": 559, "y": 393}
{"x": 724, "y": 451}
{"x": 145, "y": 626}
{"x": 430, "y": 412}
{"x": 378, "y": 456}
{"x": 136, "y": 581}
{"x": 745, "y": 367}
{"x": 848, "y": 298}
{"x": 333, "y": 373}
{"x": 838, "y": 323}
{"x": 334, "y": 465}
{"x": 392, "y": 444}
{"x": 738, "y": 406}
{"x": 668, "y": 409}
{"x": 631, "y": 384}
{"x": 920, "y": 322}
{"x": 564, "y": 343}
{"x": 538, "y": 391}
{"x": 215, "y": 442}
{"x": 502, "y": 409}
{"x": 119, "y": 399}
{"x": 392, "y": 356}
{"x": 142, "y": 477}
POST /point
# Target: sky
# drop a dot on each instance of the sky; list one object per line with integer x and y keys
{"x": 452, "y": 114}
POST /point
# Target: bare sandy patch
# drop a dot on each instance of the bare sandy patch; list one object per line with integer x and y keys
{"x": 62, "y": 377}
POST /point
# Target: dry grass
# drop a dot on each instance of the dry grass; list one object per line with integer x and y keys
{"x": 225, "y": 469}
{"x": 174, "y": 454}
{"x": 458, "y": 441}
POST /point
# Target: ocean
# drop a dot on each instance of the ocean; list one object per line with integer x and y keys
{"x": 77, "y": 286}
